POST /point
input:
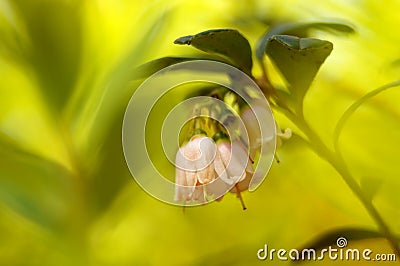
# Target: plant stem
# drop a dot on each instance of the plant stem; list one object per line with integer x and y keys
{"x": 333, "y": 157}
{"x": 340, "y": 166}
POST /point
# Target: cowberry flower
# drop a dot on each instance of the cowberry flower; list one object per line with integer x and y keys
{"x": 194, "y": 167}
{"x": 219, "y": 167}
{"x": 212, "y": 167}
{"x": 232, "y": 162}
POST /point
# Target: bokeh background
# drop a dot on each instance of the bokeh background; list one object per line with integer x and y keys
{"x": 66, "y": 195}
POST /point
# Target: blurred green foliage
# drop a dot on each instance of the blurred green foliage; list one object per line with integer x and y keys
{"x": 67, "y": 73}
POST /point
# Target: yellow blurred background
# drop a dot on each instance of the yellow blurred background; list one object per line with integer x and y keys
{"x": 66, "y": 195}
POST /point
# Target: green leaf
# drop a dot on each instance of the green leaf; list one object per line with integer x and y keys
{"x": 298, "y": 59}
{"x": 352, "y": 108}
{"x": 302, "y": 30}
{"x": 149, "y": 68}
{"x": 299, "y": 30}
{"x": 350, "y": 234}
{"x": 53, "y": 53}
{"x": 96, "y": 107}
{"x": 227, "y": 43}
{"x": 111, "y": 162}
{"x": 31, "y": 186}
{"x": 152, "y": 67}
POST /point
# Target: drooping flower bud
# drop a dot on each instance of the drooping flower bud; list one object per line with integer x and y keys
{"x": 194, "y": 167}
{"x": 232, "y": 162}
{"x": 233, "y": 166}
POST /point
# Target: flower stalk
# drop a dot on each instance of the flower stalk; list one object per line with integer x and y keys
{"x": 239, "y": 195}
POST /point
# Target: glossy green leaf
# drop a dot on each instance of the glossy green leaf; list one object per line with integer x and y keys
{"x": 228, "y": 43}
{"x": 299, "y": 30}
{"x": 298, "y": 59}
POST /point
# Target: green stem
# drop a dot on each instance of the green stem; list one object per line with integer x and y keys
{"x": 264, "y": 82}
{"x": 333, "y": 157}
{"x": 79, "y": 218}
{"x": 340, "y": 166}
